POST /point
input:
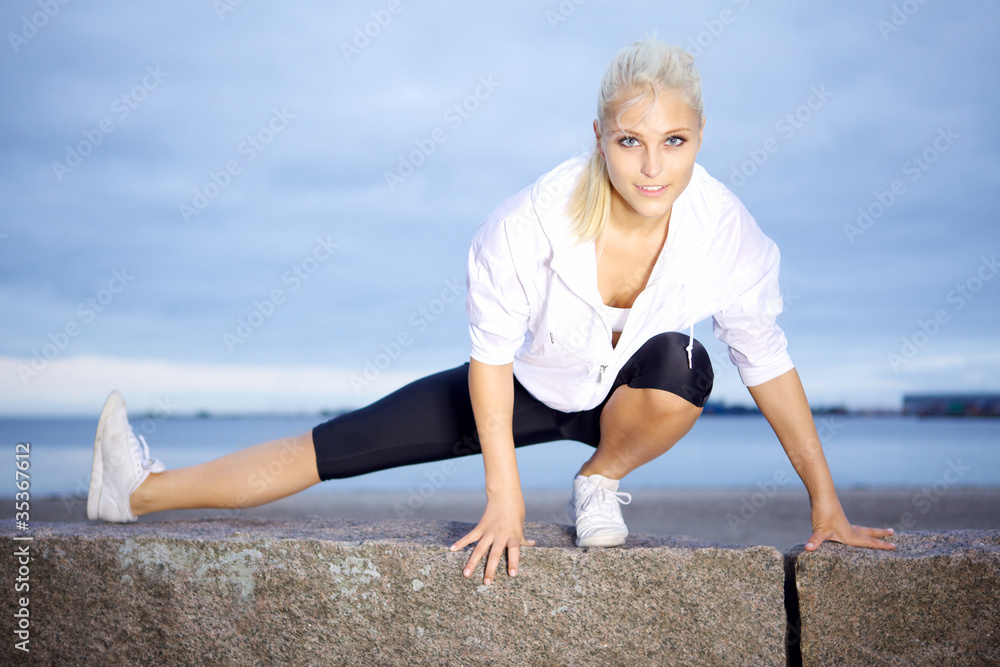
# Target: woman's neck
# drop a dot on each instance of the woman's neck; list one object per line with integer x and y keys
{"x": 629, "y": 224}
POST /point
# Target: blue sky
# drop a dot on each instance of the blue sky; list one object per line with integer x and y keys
{"x": 170, "y": 170}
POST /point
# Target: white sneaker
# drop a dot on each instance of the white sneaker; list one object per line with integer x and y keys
{"x": 596, "y": 508}
{"x": 121, "y": 464}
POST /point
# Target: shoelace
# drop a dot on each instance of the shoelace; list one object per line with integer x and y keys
{"x": 149, "y": 463}
{"x": 602, "y": 495}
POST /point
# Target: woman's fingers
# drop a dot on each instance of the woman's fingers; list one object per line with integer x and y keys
{"x": 491, "y": 563}
{"x": 869, "y": 537}
{"x": 502, "y": 527}
{"x": 477, "y": 553}
{"x": 467, "y": 539}
{"x": 875, "y": 532}
{"x": 488, "y": 545}
{"x": 513, "y": 555}
{"x": 859, "y": 536}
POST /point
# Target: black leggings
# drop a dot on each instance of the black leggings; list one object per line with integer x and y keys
{"x": 431, "y": 419}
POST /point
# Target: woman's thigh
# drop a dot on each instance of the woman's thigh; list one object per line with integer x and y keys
{"x": 661, "y": 363}
{"x": 429, "y": 419}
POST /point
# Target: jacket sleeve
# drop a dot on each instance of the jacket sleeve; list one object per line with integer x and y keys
{"x": 747, "y": 323}
{"x": 497, "y": 305}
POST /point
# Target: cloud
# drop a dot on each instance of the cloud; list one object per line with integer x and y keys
{"x": 223, "y": 77}
{"x": 79, "y": 385}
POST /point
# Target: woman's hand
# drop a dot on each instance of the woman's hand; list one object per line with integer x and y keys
{"x": 502, "y": 527}
{"x": 831, "y": 524}
{"x": 783, "y": 402}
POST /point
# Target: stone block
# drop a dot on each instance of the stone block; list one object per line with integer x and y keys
{"x": 935, "y": 600}
{"x": 321, "y": 591}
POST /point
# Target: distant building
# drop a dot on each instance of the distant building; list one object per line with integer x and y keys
{"x": 952, "y": 405}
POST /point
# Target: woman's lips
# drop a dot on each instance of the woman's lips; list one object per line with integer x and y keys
{"x": 651, "y": 190}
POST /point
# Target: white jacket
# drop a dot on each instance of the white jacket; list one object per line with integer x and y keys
{"x": 533, "y": 298}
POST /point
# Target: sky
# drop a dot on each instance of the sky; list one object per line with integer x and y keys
{"x": 237, "y": 207}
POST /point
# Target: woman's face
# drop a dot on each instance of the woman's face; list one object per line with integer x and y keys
{"x": 650, "y": 157}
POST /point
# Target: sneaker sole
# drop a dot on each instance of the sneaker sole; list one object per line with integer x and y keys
{"x": 615, "y": 540}
{"x": 611, "y": 540}
{"x": 97, "y": 469}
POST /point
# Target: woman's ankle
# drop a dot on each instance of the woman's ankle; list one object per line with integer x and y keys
{"x": 142, "y": 499}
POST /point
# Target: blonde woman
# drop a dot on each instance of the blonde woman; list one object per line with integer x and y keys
{"x": 583, "y": 293}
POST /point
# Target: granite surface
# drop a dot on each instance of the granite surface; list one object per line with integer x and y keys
{"x": 935, "y": 600}
{"x": 322, "y": 591}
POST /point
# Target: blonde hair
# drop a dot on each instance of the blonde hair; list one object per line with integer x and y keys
{"x": 636, "y": 73}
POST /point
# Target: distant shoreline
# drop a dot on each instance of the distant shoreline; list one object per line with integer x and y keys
{"x": 711, "y": 410}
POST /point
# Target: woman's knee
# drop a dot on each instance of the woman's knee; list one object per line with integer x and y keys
{"x": 664, "y": 362}
{"x": 647, "y": 409}
{"x": 660, "y": 405}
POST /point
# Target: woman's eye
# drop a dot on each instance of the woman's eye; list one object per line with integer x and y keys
{"x": 675, "y": 141}
{"x": 628, "y": 142}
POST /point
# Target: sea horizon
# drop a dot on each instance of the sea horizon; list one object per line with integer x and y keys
{"x": 722, "y": 450}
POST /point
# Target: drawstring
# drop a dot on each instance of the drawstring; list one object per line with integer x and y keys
{"x": 687, "y": 313}
{"x": 690, "y": 346}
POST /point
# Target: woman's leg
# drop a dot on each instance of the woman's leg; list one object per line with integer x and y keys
{"x": 637, "y": 426}
{"x": 245, "y": 478}
{"x": 655, "y": 401}
{"x": 427, "y": 420}
{"x": 658, "y": 399}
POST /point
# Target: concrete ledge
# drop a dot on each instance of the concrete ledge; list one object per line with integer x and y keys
{"x": 935, "y": 600}
{"x": 322, "y": 591}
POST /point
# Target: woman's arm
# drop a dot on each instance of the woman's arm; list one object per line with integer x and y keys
{"x": 491, "y": 389}
{"x": 784, "y": 405}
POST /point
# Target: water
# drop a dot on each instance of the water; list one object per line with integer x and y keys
{"x": 721, "y": 451}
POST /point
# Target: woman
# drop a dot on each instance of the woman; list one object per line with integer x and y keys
{"x": 579, "y": 289}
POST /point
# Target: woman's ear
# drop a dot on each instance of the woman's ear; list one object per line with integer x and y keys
{"x": 597, "y": 136}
